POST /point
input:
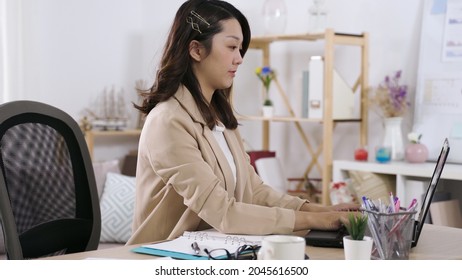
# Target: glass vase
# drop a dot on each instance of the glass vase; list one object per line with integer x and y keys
{"x": 393, "y": 137}
{"x": 317, "y": 17}
{"x": 275, "y": 16}
{"x": 416, "y": 153}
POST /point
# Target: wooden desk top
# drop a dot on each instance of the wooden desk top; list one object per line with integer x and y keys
{"x": 435, "y": 243}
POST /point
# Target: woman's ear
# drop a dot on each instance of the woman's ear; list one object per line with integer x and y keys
{"x": 195, "y": 50}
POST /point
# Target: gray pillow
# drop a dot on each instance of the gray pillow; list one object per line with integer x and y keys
{"x": 101, "y": 169}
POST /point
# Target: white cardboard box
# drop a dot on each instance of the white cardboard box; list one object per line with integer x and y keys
{"x": 345, "y": 105}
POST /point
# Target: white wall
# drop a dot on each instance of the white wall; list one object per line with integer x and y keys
{"x": 68, "y": 51}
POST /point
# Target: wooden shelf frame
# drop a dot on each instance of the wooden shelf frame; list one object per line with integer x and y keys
{"x": 328, "y": 123}
{"x": 92, "y": 134}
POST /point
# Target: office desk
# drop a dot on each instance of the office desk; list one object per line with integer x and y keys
{"x": 436, "y": 242}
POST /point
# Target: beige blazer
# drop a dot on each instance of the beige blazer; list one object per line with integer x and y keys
{"x": 184, "y": 181}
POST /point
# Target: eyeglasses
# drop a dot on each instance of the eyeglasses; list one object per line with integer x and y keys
{"x": 244, "y": 252}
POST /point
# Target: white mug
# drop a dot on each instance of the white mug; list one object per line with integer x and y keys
{"x": 282, "y": 247}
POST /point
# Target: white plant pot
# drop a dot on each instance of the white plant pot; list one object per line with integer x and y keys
{"x": 268, "y": 111}
{"x": 357, "y": 249}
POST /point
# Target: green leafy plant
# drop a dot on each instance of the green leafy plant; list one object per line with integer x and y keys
{"x": 357, "y": 226}
{"x": 268, "y": 102}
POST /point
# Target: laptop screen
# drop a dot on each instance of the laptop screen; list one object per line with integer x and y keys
{"x": 430, "y": 192}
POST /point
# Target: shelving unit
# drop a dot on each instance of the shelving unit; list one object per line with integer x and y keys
{"x": 331, "y": 39}
{"x": 402, "y": 173}
{"x": 92, "y": 134}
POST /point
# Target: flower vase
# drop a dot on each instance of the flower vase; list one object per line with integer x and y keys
{"x": 275, "y": 16}
{"x": 416, "y": 153}
{"x": 317, "y": 16}
{"x": 393, "y": 137}
{"x": 268, "y": 108}
{"x": 268, "y": 111}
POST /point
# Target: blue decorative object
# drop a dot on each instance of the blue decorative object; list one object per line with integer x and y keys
{"x": 383, "y": 154}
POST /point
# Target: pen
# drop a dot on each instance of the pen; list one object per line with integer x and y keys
{"x": 412, "y": 205}
{"x": 392, "y": 203}
{"x": 366, "y": 204}
{"x": 397, "y": 205}
{"x": 196, "y": 248}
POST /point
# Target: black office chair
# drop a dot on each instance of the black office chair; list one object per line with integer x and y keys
{"x": 48, "y": 197}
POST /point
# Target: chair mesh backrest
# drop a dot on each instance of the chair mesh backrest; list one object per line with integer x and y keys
{"x": 48, "y": 198}
{"x": 35, "y": 159}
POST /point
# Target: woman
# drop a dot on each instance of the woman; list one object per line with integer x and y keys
{"x": 193, "y": 172}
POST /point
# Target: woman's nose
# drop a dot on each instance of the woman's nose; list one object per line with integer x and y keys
{"x": 238, "y": 60}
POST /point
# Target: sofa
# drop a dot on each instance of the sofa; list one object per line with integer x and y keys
{"x": 116, "y": 191}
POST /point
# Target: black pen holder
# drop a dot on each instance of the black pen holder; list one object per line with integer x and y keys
{"x": 392, "y": 234}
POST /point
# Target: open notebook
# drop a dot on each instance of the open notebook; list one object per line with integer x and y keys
{"x": 321, "y": 238}
{"x": 180, "y": 248}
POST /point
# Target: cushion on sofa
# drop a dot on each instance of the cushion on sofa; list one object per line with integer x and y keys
{"x": 117, "y": 204}
{"x": 101, "y": 169}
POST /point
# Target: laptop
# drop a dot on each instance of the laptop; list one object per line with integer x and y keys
{"x": 334, "y": 238}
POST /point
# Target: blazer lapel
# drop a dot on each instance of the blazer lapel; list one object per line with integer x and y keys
{"x": 186, "y": 100}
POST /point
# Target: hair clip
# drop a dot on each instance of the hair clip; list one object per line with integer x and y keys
{"x": 194, "y": 25}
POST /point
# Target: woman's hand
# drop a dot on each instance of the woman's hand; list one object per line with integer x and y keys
{"x": 330, "y": 220}
{"x": 345, "y": 207}
{"x": 312, "y": 207}
{"x": 315, "y": 216}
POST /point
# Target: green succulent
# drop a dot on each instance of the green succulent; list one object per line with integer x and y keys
{"x": 357, "y": 226}
{"x": 268, "y": 102}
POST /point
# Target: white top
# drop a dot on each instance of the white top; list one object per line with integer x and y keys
{"x": 218, "y": 133}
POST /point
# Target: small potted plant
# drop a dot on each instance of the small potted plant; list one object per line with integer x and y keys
{"x": 268, "y": 102}
{"x": 266, "y": 75}
{"x": 356, "y": 245}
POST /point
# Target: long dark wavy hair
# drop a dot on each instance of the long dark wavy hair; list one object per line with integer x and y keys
{"x": 176, "y": 64}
